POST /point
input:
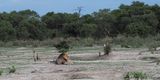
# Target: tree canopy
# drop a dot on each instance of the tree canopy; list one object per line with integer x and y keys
{"x": 136, "y": 19}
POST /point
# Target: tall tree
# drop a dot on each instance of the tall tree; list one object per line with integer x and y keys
{"x": 7, "y": 32}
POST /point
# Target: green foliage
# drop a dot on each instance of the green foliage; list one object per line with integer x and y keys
{"x": 32, "y": 29}
{"x": 87, "y": 30}
{"x": 136, "y": 19}
{"x": 7, "y": 32}
{"x": 152, "y": 46}
{"x": 135, "y": 75}
{"x": 22, "y": 30}
{"x": 72, "y": 29}
{"x": 138, "y": 29}
{"x": 62, "y": 47}
{"x": 87, "y": 42}
{"x": 81, "y": 41}
{"x": 1, "y": 71}
{"x": 105, "y": 23}
{"x": 28, "y": 13}
{"x": 12, "y": 69}
{"x": 107, "y": 48}
{"x": 130, "y": 42}
{"x": 125, "y": 46}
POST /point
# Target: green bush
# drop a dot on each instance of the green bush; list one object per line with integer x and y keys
{"x": 152, "y": 46}
{"x": 12, "y": 69}
{"x": 62, "y": 47}
{"x": 125, "y": 46}
{"x": 1, "y": 71}
{"x": 135, "y": 75}
{"x": 7, "y": 32}
{"x": 129, "y": 42}
{"x": 107, "y": 48}
{"x": 157, "y": 37}
{"x": 87, "y": 42}
{"x": 138, "y": 29}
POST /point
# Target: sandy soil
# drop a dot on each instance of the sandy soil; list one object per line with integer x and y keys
{"x": 87, "y": 64}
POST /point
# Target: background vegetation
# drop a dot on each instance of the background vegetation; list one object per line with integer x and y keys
{"x": 138, "y": 20}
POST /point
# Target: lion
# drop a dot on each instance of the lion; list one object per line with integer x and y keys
{"x": 63, "y": 59}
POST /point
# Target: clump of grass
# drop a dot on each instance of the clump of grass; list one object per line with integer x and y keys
{"x": 12, "y": 69}
{"x": 135, "y": 75}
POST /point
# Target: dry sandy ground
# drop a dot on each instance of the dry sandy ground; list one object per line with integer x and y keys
{"x": 87, "y": 65}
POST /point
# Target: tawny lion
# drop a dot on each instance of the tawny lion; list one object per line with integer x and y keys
{"x": 63, "y": 59}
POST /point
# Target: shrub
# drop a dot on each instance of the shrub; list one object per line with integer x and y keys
{"x": 138, "y": 29}
{"x": 125, "y": 46}
{"x": 107, "y": 48}
{"x": 62, "y": 47}
{"x": 1, "y": 71}
{"x": 104, "y": 40}
{"x": 12, "y": 69}
{"x": 152, "y": 46}
{"x": 157, "y": 37}
{"x": 129, "y": 42}
{"x": 7, "y": 32}
{"x": 135, "y": 75}
{"x": 87, "y": 42}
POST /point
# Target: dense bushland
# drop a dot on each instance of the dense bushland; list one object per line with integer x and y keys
{"x": 137, "y": 20}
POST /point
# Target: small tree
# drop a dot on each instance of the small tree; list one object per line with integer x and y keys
{"x": 107, "y": 48}
{"x": 62, "y": 47}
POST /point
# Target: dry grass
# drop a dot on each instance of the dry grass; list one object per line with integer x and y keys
{"x": 112, "y": 67}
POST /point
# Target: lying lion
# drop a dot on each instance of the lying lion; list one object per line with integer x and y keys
{"x": 63, "y": 59}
